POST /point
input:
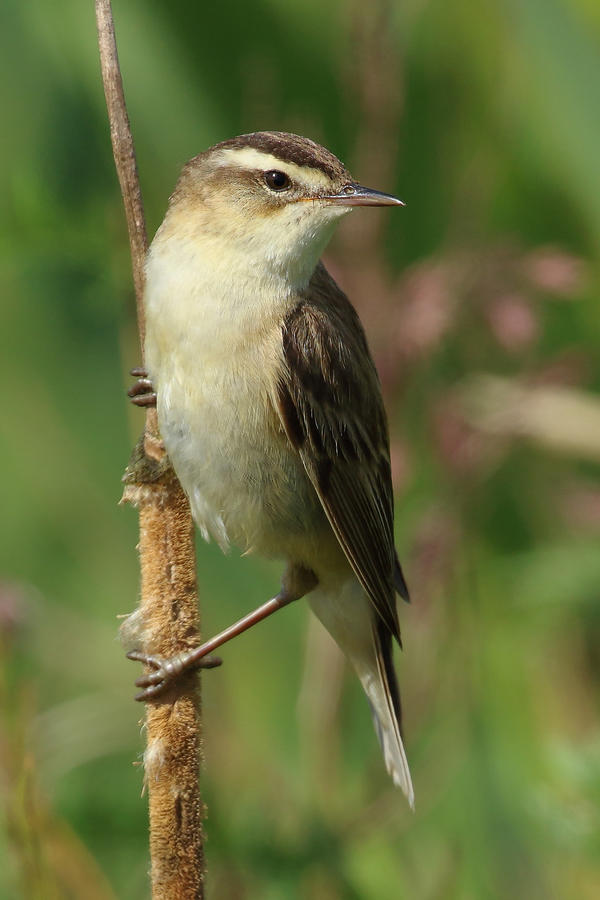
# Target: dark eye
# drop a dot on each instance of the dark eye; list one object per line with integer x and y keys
{"x": 277, "y": 181}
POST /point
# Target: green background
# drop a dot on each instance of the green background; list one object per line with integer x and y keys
{"x": 480, "y": 300}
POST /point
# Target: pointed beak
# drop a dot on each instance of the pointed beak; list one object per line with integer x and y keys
{"x": 356, "y": 195}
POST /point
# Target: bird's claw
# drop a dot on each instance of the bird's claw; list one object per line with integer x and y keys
{"x": 141, "y": 392}
{"x": 166, "y": 671}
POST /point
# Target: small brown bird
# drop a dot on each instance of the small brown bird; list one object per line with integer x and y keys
{"x": 268, "y": 401}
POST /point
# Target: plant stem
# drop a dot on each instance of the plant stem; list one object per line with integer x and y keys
{"x": 167, "y": 620}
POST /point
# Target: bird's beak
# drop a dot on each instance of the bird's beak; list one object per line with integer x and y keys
{"x": 356, "y": 195}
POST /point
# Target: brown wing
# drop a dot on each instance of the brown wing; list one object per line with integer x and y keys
{"x": 331, "y": 408}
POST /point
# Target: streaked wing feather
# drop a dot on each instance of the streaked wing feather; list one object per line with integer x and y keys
{"x": 330, "y": 404}
{"x": 361, "y": 532}
{"x": 400, "y": 581}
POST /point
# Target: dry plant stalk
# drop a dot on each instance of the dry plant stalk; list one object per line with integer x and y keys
{"x": 167, "y": 621}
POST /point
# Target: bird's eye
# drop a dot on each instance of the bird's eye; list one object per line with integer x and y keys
{"x": 277, "y": 181}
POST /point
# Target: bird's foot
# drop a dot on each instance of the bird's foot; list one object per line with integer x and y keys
{"x": 167, "y": 670}
{"x": 142, "y": 391}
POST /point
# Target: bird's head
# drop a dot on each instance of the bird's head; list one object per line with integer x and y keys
{"x": 271, "y": 198}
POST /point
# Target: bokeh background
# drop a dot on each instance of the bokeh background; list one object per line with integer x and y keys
{"x": 481, "y": 304}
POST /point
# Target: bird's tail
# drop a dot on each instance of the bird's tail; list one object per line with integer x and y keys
{"x": 381, "y": 687}
{"x": 351, "y": 621}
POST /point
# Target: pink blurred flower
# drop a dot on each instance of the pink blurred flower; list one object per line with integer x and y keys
{"x": 426, "y": 310}
{"x": 554, "y": 271}
{"x": 513, "y": 322}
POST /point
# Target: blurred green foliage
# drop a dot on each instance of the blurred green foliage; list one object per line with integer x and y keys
{"x": 484, "y": 118}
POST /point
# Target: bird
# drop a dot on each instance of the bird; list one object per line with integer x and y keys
{"x": 268, "y": 401}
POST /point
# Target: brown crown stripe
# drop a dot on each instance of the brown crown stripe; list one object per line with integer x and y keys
{"x": 290, "y": 148}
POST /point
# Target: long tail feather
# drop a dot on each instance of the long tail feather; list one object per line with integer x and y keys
{"x": 384, "y": 698}
{"x": 367, "y": 642}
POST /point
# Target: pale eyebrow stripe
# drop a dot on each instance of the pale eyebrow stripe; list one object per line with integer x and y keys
{"x": 250, "y": 158}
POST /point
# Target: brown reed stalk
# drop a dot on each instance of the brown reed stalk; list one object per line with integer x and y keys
{"x": 167, "y": 621}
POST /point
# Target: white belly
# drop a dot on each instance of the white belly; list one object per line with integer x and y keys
{"x": 245, "y": 484}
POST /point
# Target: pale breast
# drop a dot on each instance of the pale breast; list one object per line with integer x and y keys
{"x": 214, "y": 381}
{"x": 245, "y": 483}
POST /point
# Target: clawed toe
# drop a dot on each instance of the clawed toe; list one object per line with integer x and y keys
{"x": 167, "y": 671}
{"x": 142, "y": 392}
{"x": 141, "y": 386}
{"x": 138, "y": 656}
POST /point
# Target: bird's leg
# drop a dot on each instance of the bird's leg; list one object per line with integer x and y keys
{"x": 297, "y": 582}
{"x": 141, "y": 392}
{"x": 166, "y": 670}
